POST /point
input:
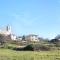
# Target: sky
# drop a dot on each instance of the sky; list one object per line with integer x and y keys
{"x": 41, "y": 17}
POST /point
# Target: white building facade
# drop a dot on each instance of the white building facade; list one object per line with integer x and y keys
{"x": 32, "y": 37}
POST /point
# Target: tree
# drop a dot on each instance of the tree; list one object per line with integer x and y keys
{"x": 23, "y": 38}
{"x": 57, "y": 37}
{"x": 54, "y": 40}
{"x": 2, "y": 39}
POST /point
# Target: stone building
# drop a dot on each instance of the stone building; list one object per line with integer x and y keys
{"x": 8, "y": 33}
{"x": 32, "y": 37}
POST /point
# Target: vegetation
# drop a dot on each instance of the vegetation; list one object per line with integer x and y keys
{"x": 29, "y": 47}
{"x": 7, "y": 54}
{"x": 45, "y": 49}
{"x": 2, "y": 39}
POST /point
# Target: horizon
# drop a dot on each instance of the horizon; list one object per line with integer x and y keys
{"x": 3, "y": 28}
{"x": 41, "y": 17}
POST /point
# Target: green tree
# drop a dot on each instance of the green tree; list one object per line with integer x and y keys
{"x": 23, "y": 37}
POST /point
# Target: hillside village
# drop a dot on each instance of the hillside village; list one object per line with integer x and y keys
{"x": 8, "y": 33}
{"x": 31, "y": 41}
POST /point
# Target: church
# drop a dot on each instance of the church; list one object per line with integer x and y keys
{"x": 7, "y": 31}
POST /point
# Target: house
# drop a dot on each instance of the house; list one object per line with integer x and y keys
{"x": 32, "y": 37}
{"x": 19, "y": 38}
{"x": 13, "y": 37}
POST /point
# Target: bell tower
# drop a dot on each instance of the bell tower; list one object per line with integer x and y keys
{"x": 8, "y": 29}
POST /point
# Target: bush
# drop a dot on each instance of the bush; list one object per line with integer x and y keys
{"x": 18, "y": 49}
{"x": 37, "y": 47}
{"x": 29, "y": 47}
{"x": 9, "y": 46}
{"x": 41, "y": 47}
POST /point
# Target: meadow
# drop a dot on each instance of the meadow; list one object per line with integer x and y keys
{"x": 7, "y": 54}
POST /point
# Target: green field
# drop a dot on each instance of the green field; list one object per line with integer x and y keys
{"x": 6, "y": 54}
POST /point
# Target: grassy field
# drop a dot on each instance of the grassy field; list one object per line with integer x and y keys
{"x": 6, "y": 54}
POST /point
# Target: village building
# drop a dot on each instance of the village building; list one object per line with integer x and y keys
{"x": 32, "y": 37}
{"x": 8, "y": 32}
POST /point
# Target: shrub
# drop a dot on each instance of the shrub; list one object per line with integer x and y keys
{"x": 37, "y": 47}
{"x": 29, "y": 47}
{"x": 9, "y": 46}
{"x": 18, "y": 49}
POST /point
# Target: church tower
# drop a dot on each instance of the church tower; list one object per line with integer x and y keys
{"x": 8, "y": 29}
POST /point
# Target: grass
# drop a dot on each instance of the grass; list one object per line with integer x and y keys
{"x": 6, "y": 54}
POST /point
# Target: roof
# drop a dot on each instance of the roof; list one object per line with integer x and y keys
{"x": 32, "y": 35}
